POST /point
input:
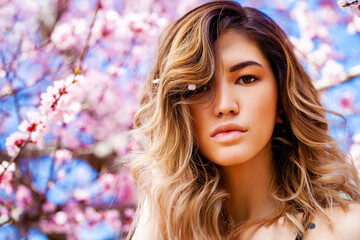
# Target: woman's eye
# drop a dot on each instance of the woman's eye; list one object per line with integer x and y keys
{"x": 246, "y": 79}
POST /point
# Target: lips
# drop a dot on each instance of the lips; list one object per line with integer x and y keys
{"x": 228, "y": 132}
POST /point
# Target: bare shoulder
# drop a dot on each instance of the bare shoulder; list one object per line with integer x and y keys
{"x": 142, "y": 230}
{"x": 346, "y": 224}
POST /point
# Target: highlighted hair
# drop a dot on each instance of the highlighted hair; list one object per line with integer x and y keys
{"x": 185, "y": 191}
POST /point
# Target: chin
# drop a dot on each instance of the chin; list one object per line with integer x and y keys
{"x": 229, "y": 160}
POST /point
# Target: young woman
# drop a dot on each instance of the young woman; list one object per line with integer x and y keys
{"x": 235, "y": 140}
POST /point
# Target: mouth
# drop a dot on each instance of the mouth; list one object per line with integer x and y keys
{"x": 228, "y": 132}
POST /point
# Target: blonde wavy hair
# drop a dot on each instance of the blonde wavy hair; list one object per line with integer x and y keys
{"x": 185, "y": 191}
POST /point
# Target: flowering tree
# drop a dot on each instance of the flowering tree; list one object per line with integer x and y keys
{"x": 70, "y": 76}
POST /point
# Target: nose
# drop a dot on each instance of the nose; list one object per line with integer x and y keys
{"x": 226, "y": 101}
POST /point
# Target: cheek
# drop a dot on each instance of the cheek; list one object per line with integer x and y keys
{"x": 264, "y": 108}
{"x": 197, "y": 118}
{"x": 200, "y": 123}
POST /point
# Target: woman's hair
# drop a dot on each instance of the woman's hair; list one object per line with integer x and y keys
{"x": 186, "y": 192}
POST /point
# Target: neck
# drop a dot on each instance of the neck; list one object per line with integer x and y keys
{"x": 250, "y": 187}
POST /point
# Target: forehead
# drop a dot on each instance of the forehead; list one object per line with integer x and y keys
{"x": 233, "y": 47}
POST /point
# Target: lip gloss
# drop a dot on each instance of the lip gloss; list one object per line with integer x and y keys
{"x": 228, "y": 136}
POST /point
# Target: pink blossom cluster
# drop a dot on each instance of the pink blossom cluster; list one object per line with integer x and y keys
{"x": 353, "y": 4}
{"x": 321, "y": 60}
{"x": 13, "y": 209}
{"x": 353, "y": 25}
{"x": 67, "y": 35}
{"x": 73, "y": 217}
{"x": 57, "y": 106}
{"x": 120, "y": 185}
{"x": 347, "y": 103}
{"x": 7, "y": 178}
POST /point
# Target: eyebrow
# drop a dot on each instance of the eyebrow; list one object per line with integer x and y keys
{"x": 243, "y": 65}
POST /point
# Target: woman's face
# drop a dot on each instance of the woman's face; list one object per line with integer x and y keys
{"x": 237, "y": 124}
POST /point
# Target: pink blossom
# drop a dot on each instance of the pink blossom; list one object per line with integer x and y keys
{"x": 108, "y": 181}
{"x": 346, "y": 102}
{"x": 129, "y": 212}
{"x": 333, "y": 72}
{"x": 93, "y": 216}
{"x": 309, "y": 24}
{"x": 74, "y": 211}
{"x": 57, "y": 105}
{"x": 63, "y": 37}
{"x": 112, "y": 218}
{"x": 62, "y": 155}
{"x": 4, "y": 214}
{"x": 36, "y": 126}
{"x": 50, "y": 226}
{"x": 126, "y": 188}
{"x": 23, "y": 197}
{"x": 7, "y": 178}
{"x": 68, "y": 35}
{"x": 81, "y": 195}
{"x": 355, "y": 9}
{"x": 15, "y": 142}
{"x": 60, "y": 218}
{"x": 106, "y": 25}
{"x": 353, "y": 4}
{"x": 67, "y": 137}
{"x": 48, "y": 207}
{"x": 353, "y": 26}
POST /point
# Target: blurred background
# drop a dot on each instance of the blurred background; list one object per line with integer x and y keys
{"x": 71, "y": 72}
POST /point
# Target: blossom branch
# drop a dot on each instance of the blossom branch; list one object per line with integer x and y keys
{"x": 98, "y": 7}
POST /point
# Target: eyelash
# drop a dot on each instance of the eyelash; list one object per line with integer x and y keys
{"x": 247, "y": 77}
{"x": 206, "y": 88}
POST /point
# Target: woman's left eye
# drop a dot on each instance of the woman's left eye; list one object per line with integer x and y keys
{"x": 246, "y": 79}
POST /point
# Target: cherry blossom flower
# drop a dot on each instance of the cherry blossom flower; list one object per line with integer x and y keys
{"x": 23, "y": 197}
{"x": 48, "y": 207}
{"x": 61, "y": 218}
{"x": 346, "y": 102}
{"x": 129, "y": 212}
{"x": 81, "y": 195}
{"x": 353, "y": 4}
{"x": 57, "y": 104}
{"x": 353, "y": 26}
{"x": 332, "y": 73}
{"x": 15, "y": 142}
{"x": 36, "y": 126}
{"x": 62, "y": 156}
{"x": 6, "y": 179}
{"x": 93, "y": 216}
{"x": 68, "y": 35}
{"x": 113, "y": 218}
{"x": 126, "y": 188}
{"x": 107, "y": 181}
{"x": 4, "y": 214}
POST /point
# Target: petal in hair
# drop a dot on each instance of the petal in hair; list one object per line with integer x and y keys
{"x": 192, "y": 87}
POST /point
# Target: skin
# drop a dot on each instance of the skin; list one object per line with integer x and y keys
{"x": 248, "y": 98}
